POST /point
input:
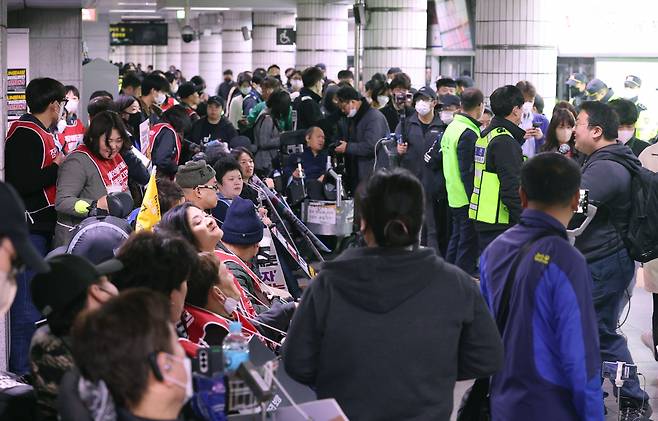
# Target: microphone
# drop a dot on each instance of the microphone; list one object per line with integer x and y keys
{"x": 564, "y": 149}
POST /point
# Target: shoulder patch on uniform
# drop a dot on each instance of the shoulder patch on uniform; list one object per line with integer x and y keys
{"x": 542, "y": 258}
{"x": 500, "y": 130}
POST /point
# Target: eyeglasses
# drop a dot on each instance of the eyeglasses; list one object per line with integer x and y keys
{"x": 206, "y": 186}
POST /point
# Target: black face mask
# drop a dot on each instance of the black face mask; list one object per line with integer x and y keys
{"x": 574, "y": 91}
{"x": 134, "y": 120}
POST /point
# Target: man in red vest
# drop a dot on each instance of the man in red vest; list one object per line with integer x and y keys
{"x": 32, "y": 159}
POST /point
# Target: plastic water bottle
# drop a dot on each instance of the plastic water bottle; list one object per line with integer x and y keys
{"x": 235, "y": 348}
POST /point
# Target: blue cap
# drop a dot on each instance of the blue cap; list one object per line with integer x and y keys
{"x": 595, "y": 85}
{"x": 235, "y": 327}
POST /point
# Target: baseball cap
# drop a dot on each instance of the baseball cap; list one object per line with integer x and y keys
{"x": 450, "y": 100}
{"x": 14, "y": 226}
{"x": 68, "y": 278}
{"x": 576, "y": 78}
{"x": 217, "y": 100}
{"x": 594, "y": 86}
{"x": 187, "y": 89}
{"x": 394, "y": 70}
{"x": 425, "y": 91}
{"x": 632, "y": 82}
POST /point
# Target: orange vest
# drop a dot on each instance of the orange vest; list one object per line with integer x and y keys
{"x": 153, "y": 134}
{"x": 49, "y": 153}
{"x": 113, "y": 172}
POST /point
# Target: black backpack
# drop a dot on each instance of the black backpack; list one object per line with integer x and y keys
{"x": 641, "y": 238}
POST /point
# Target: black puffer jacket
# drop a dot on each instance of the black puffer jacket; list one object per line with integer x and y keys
{"x": 609, "y": 185}
{"x": 387, "y": 332}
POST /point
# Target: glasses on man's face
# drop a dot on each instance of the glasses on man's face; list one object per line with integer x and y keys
{"x": 207, "y": 186}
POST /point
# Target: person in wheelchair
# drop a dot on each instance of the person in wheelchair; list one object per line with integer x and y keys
{"x": 313, "y": 162}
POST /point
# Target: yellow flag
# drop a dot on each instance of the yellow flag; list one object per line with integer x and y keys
{"x": 149, "y": 214}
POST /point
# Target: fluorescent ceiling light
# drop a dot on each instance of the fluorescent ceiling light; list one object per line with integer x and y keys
{"x": 135, "y": 4}
{"x": 141, "y": 17}
{"x": 200, "y": 8}
{"x": 132, "y": 11}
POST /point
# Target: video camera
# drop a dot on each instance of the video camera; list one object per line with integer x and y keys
{"x": 403, "y": 99}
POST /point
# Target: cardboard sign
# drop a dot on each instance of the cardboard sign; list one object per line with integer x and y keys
{"x": 321, "y": 213}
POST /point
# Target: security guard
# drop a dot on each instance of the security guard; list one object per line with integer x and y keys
{"x": 645, "y": 127}
{"x": 495, "y": 203}
{"x": 458, "y": 146}
{"x": 577, "y": 84}
{"x": 599, "y": 91}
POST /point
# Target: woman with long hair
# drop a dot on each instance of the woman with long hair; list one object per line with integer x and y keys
{"x": 561, "y": 132}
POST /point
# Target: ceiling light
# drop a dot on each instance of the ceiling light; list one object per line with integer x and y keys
{"x": 135, "y": 4}
{"x": 132, "y": 11}
{"x": 200, "y": 9}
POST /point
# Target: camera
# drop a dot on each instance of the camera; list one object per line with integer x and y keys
{"x": 187, "y": 33}
{"x": 403, "y": 98}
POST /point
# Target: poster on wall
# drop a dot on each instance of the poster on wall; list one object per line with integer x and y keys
{"x": 16, "y": 105}
{"x": 16, "y": 80}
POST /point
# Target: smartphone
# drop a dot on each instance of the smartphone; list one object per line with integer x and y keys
{"x": 536, "y": 124}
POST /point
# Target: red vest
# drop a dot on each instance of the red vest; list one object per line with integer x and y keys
{"x": 190, "y": 347}
{"x": 244, "y": 300}
{"x": 169, "y": 102}
{"x": 200, "y": 318}
{"x": 153, "y": 134}
{"x": 48, "y": 155}
{"x": 72, "y": 136}
{"x": 113, "y": 172}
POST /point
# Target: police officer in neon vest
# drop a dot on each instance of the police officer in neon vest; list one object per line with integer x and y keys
{"x": 495, "y": 203}
{"x": 458, "y": 147}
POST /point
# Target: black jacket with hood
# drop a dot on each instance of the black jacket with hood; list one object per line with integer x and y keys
{"x": 609, "y": 185}
{"x": 387, "y": 332}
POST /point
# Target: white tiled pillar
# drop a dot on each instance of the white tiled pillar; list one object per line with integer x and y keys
{"x": 170, "y": 55}
{"x": 118, "y": 54}
{"x": 236, "y": 51}
{"x": 210, "y": 50}
{"x": 396, "y": 36}
{"x": 515, "y": 41}
{"x": 265, "y": 50}
{"x": 190, "y": 57}
{"x": 322, "y": 33}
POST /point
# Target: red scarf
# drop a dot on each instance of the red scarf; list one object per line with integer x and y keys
{"x": 49, "y": 151}
{"x": 113, "y": 172}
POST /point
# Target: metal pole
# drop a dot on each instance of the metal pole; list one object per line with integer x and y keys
{"x": 359, "y": 8}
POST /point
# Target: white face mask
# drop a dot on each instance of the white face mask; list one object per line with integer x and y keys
{"x": 7, "y": 292}
{"x": 296, "y": 84}
{"x": 245, "y": 90}
{"x": 423, "y": 108}
{"x": 447, "y": 116}
{"x": 72, "y": 106}
{"x": 625, "y": 135}
{"x": 187, "y": 365}
{"x": 61, "y": 126}
{"x": 230, "y": 305}
{"x": 382, "y": 100}
{"x": 352, "y": 113}
{"x": 527, "y": 107}
{"x": 563, "y": 134}
{"x": 160, "y": 98}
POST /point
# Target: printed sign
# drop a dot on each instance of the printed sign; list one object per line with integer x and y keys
{"x": 268, "y": 263}
{"x": 16, "y": 80}
{"x": 16, "y": 105}
{"x": 285, "y": 36}
{"x": 144, "y": 144}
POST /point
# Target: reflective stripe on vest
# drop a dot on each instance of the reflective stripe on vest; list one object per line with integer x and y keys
{"x": 449, "y": 143}
{"x": 486, "y": 205}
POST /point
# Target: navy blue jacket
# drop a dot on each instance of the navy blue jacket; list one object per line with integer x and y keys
{"x": 552, "y": 361}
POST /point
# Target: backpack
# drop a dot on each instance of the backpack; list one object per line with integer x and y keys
{"x": 641, "y": 238}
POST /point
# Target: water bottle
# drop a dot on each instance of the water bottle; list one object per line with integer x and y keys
{"x": 235, "y": 348}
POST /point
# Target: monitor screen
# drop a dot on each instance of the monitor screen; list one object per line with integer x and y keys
{"x": 139, "y": 34}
